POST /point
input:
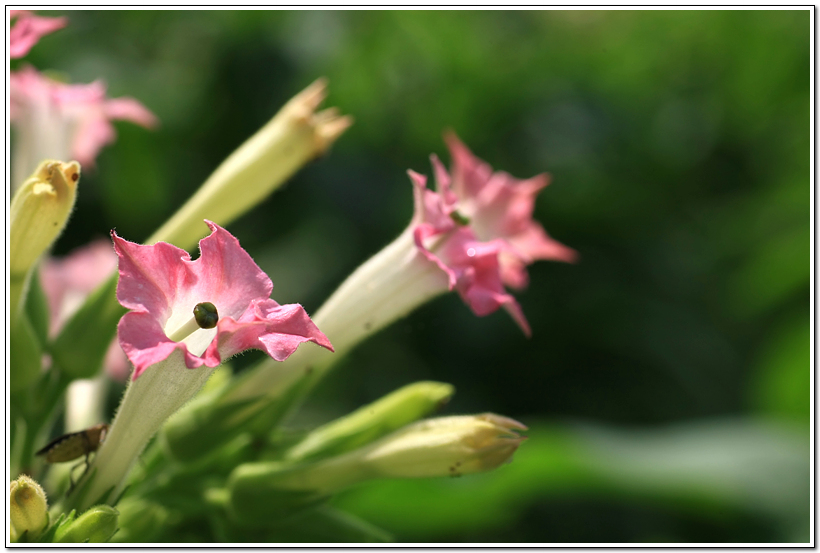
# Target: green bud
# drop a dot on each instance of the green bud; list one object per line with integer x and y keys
{"x": 446, "y": 446}
{"x": 140, "y": 521}
{"x": 373, "y": 421}
{"x": 96, "y": 525}
{"x": 39, "y": 212}
{"x": 296, "y": 135}
{"x": 28, "y": 508}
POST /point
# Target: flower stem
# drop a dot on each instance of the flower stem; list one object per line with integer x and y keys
{"x": 149, "y": 400}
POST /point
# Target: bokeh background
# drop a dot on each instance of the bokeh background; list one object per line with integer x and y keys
{"x": 667, "y": 382}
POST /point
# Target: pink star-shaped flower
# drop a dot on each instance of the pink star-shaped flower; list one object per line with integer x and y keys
{"x": 62, "y": 121}
{"x": 161, "y": 286}
{"x": 478, "y": 228}
{"x": 28, "y": 29}
{"x": 501, "y": 206}
{"x": 471, "y": 266}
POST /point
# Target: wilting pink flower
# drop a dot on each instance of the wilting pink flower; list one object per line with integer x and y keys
{"x": 68, "y": 281}
{"x": 161, "y": 286}
{"x": 500, "y": 206}
{"x": 471, "y": 266}
{"x": 28, "y": 29}
{"x": 478, "y": 228}
{"x": 54, "y": 120}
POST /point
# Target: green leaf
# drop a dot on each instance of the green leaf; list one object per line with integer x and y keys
{"x": 80, "y": 348}
{"x": 781, "y": 384}
{"x": 25, "y": 355}
{"x": 37, "y": 308}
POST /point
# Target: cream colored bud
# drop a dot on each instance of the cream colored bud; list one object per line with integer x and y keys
{"x": 39, "y": 212}
{"x": 28, "y": 508}
{"x": 446, "y": 446}
{"x": 295, "y": 135}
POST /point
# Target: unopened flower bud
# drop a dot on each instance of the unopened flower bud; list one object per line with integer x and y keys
{"x": 447, "y": 446}
{"x": 296, "y": 135}
{"x": 373, "y": 421}
{"x": 96, "y": 525}
{"x": 140, "y": 520}
{"x": 28, "y": 508}
{"x": 39, "y": 211}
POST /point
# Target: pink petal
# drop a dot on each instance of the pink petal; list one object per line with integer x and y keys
{"x": 429, "y": 207}
{"x": 469, "y": 173}
{"x": 226, "y": 275}
{"x": 276, "y": 329}
{"x": 29, "y": 29}
{"x": 129, "y": 109}
{"x": 92, "y": 134}
{"x": 150, "y": 276}
{"x": 145, "y": 344}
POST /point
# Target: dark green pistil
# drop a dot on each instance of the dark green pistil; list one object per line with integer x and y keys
{"x": 206, "y": 315}
{"x": 459, "y": 218}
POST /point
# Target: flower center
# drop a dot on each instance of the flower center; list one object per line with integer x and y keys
{"x": 205, "y": 316}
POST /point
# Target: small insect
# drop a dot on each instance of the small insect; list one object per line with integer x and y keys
{"x": 76, "y": 444}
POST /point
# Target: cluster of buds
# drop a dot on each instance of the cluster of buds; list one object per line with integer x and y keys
{"x": 178, "y": 319}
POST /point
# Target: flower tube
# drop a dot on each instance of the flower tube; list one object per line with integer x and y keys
{"x": 174, "y": 347}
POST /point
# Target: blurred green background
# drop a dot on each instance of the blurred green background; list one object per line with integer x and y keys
{"x": 667, "y": 380}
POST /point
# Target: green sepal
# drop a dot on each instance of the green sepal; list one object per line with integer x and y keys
{"x": 25, "y": 354}
{"x": 48, "y": 535}
{"x": 81, "y": 346}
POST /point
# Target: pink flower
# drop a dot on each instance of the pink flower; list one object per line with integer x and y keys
{"x": 471, "y": 266}
{"x": 161, "y": 286}
{"x": 54, "y": 120}
{"x": 68, "y": 281}
{"x": 477, "y": 227}
{"x": 28, "y": 29}
{"x": 500, "y": 206}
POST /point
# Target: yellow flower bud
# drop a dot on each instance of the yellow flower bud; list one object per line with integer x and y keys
{"x": 39, "y": 211}
{"x": 28, "y": 508}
